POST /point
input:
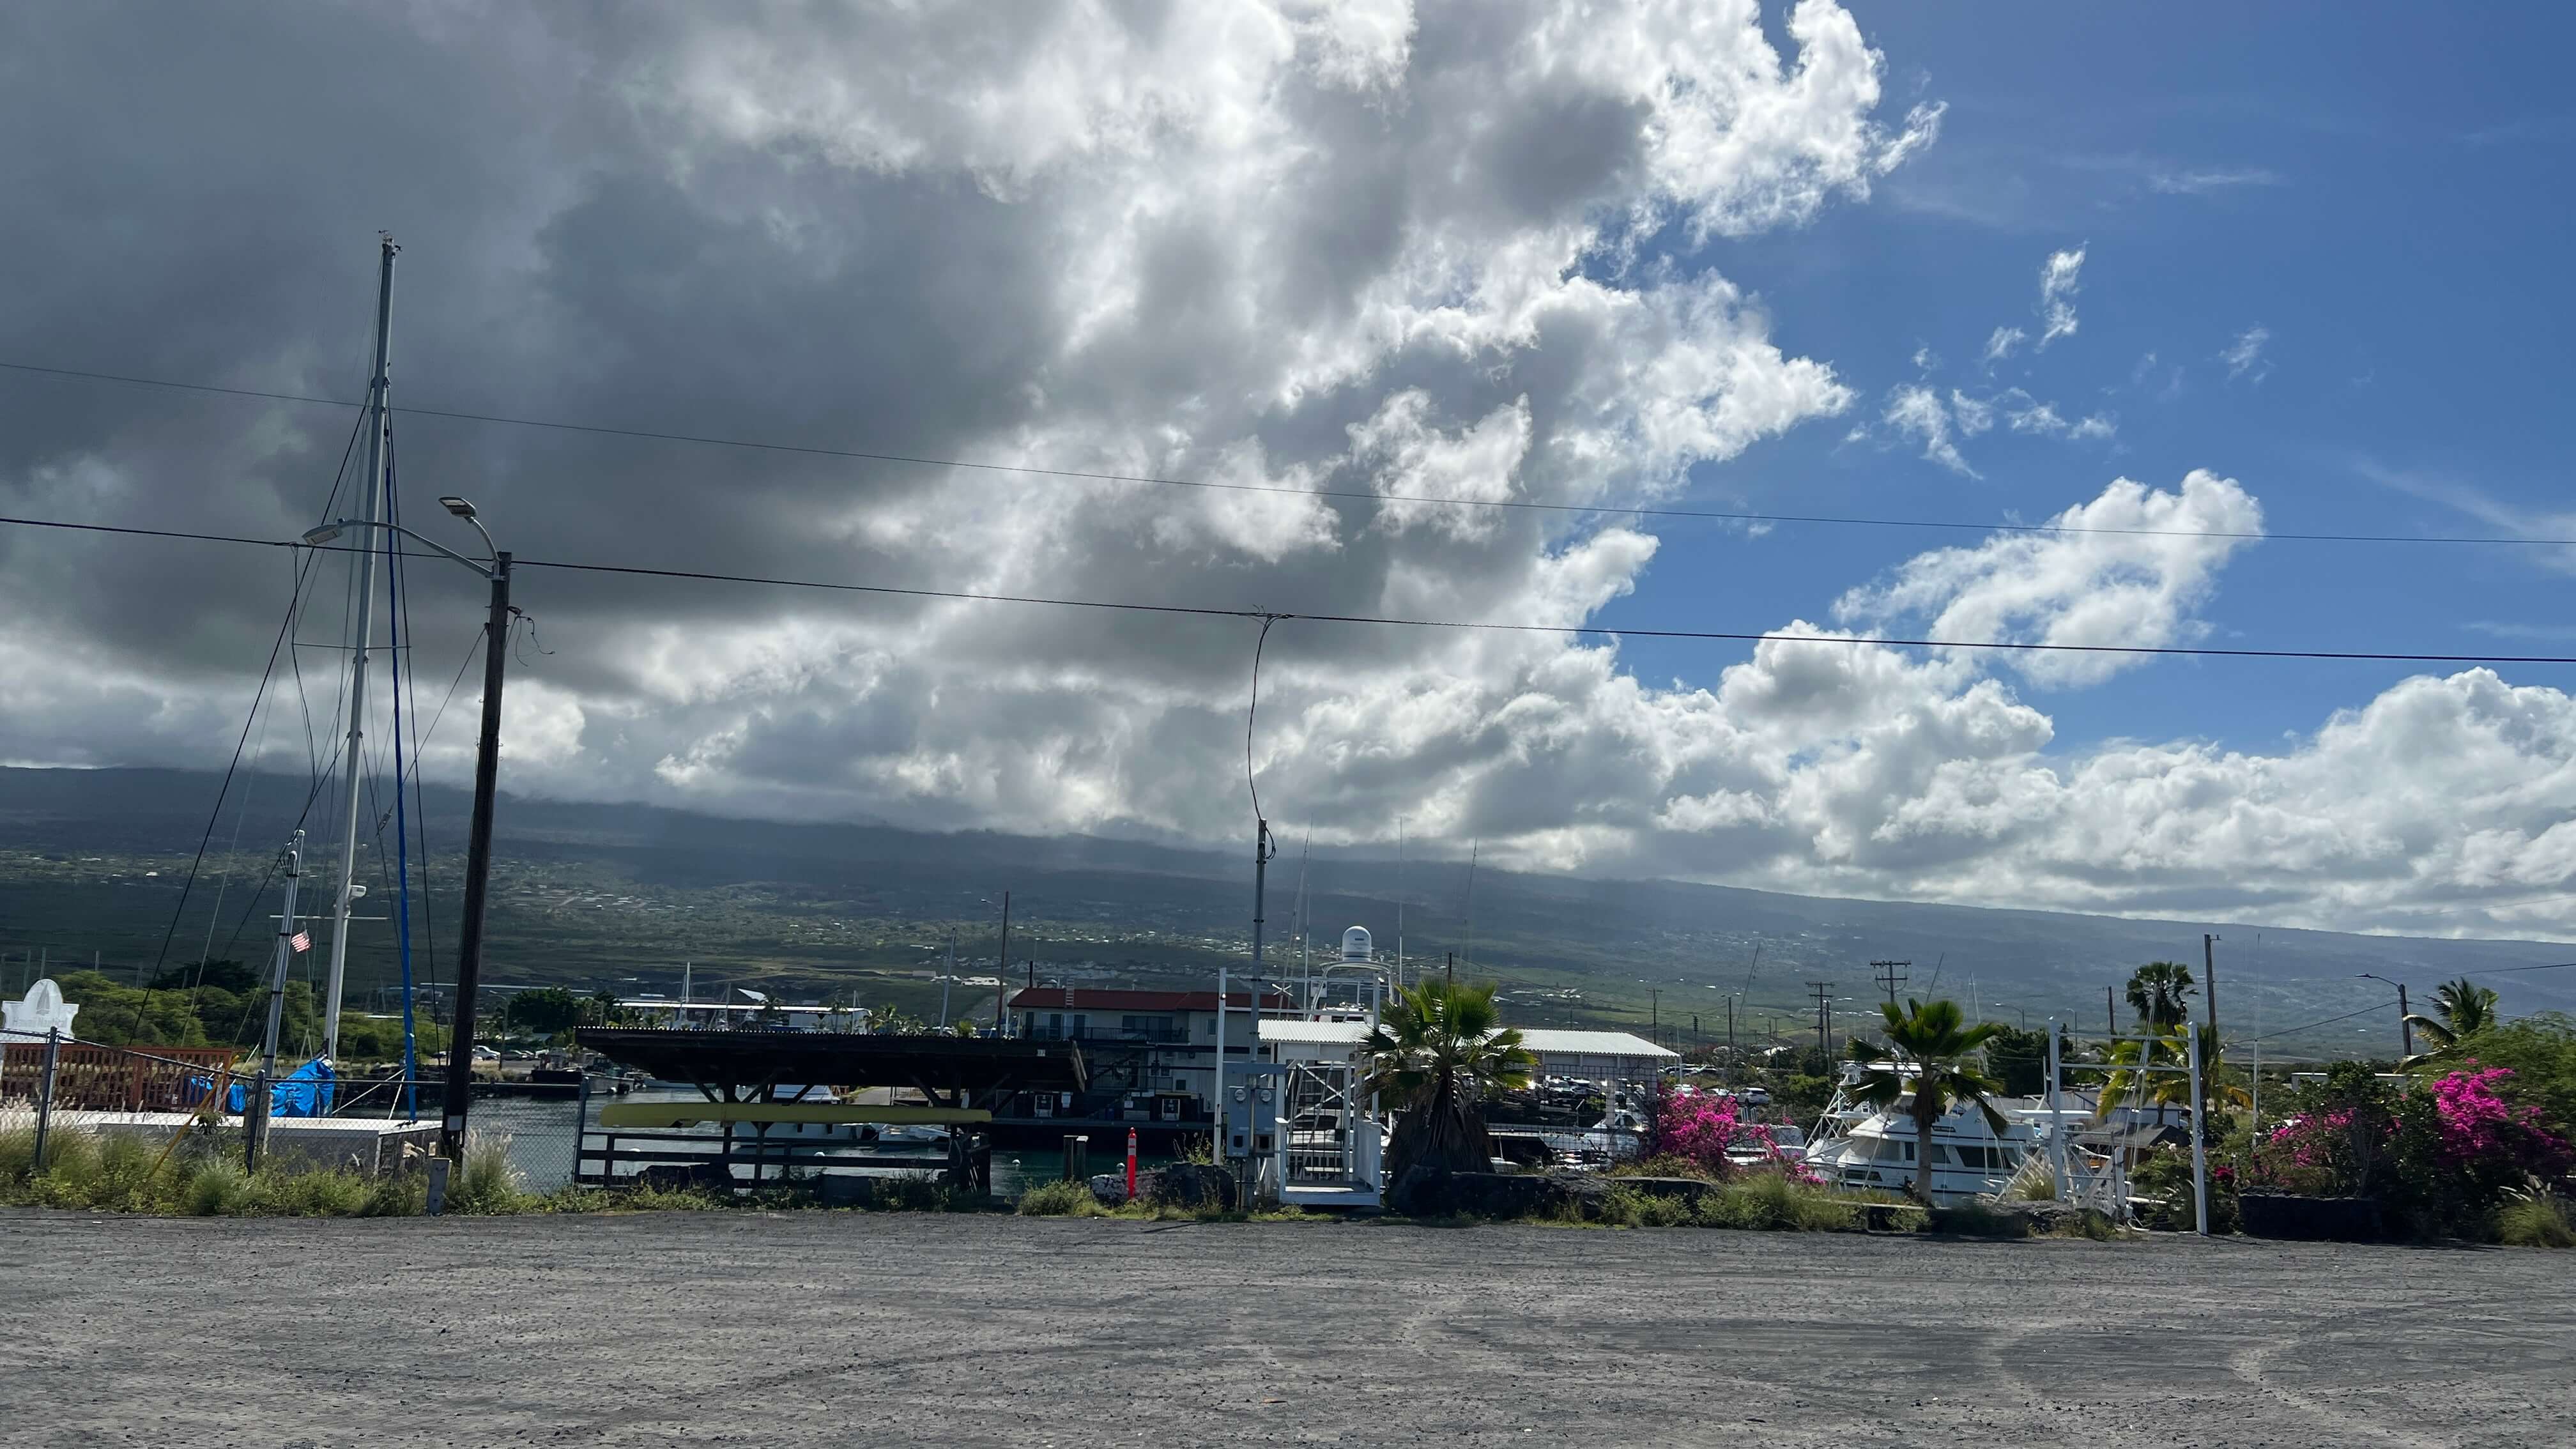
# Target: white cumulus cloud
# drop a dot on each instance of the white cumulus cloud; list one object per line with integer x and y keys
{"x": 2245, "y": 354}
{"x": 2060, "y": 278}
{"x": 2129, "y": 568}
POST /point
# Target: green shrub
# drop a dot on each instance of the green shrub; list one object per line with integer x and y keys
{"x": 131, "y": 1177}
{"x": 1772, "y": 1202}
{"x": 17, "y": 1154}
{"x": 1620, "y": 1207}
{"x": 71, "y": 1171}
{"x": 396, "y": 1195}
{"x": 2089, "y": 1223}
{"x": 1062, "y": 1199}
{"x": 2163, "y": 1181}
{"x": 486, "y": 1182}
{"x": 1657, "y": 1211}
{"x": 1625, "y": 1207}
{"x": 2535, "y": 1218}
{"x": 913, "y": 1193}
{"x": 1670, "y": 1164}
{"x": 654, "y": 1199}
{"x": 328, "y": 1194}
{"x": 214, "y": 1190}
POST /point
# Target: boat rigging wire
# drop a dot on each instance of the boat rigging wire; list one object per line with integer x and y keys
{"x": 161, "y": 958}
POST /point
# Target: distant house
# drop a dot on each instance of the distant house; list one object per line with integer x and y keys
{"x": 1157, "y": 1045}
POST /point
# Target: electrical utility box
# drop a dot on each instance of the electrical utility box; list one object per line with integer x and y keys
{"x": 1252, "y": 1093}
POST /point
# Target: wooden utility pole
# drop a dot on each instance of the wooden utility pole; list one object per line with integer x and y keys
{"x": 2209, "y": 977}
{"x": 1891, "y": 976}
{"x": 1824, "y": 1017}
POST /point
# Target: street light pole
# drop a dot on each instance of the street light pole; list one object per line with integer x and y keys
{"x": 2405, "y": 1027}
{"x": 495, "y": 569}
{"x": 478, "y": 860}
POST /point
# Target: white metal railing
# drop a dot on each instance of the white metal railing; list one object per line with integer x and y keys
{"x": 1327, "y": 1138}
{"x": 2068, "y": 1180}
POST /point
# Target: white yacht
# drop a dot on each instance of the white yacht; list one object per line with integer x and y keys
{"x": 1765, "y": 1144}
{"x": 1862, "y": 1147}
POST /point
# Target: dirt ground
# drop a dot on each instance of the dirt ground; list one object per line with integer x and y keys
{"x": 832, "y": 1328}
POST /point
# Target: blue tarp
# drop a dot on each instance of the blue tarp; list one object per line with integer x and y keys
{"x": 306, "y": 1092}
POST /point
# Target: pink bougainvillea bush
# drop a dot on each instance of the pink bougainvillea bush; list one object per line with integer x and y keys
{"x": 1700, "y": 1126}
{"x": 2478, "y": 1126}
{"x": 2441, "y": 1154}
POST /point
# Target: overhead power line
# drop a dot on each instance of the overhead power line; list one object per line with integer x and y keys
{"x": 1714, "y": 515}
{"x": 2312, "y": 1025}
{"x": 2388, "y": 1002}
{"x": 2510, "y": 970}
{"x": 1498, "y": 626}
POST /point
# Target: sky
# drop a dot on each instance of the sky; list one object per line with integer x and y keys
{"x": 2183, "y": 284}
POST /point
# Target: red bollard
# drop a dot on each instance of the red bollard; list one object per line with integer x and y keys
{"x": 1131, "y": 1163}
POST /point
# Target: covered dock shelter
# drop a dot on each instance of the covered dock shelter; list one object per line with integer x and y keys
{"x": 764, "y": 1080}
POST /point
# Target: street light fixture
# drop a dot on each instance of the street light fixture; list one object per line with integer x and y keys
{"x": 487, "y": 764}
{"x": 2405, "y": 1028}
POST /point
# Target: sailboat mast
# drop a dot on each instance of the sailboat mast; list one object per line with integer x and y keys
{"x": 1305, "y": 928}
{"x": 353, "y": 762}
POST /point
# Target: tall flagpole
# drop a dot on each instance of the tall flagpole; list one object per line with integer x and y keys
{"x": 353, "y": 762}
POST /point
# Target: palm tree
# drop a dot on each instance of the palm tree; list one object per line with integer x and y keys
{"x": 2160, "y": 993}
{"x": 2136, "y": 1078}
{"x": 1439, "y": 1049}
{"x": 1929, "y": 1054}
{"x": 2129, "y": 1083}
{"x": 2461, "y": 1009}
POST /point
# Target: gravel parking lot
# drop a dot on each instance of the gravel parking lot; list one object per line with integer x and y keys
{"x": 815, "y": 1328}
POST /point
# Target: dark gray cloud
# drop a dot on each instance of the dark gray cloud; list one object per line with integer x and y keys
{"x": 1368, "y": 248}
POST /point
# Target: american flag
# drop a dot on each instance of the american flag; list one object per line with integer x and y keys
{"x": 301, "y": 940}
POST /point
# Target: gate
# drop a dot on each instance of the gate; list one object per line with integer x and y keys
{"x": 1329, "y": 1143}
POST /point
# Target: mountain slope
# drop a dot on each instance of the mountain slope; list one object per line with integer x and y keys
{"x": 624, "y": 894}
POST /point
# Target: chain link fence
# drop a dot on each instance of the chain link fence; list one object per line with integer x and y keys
{"x": 54, "y": 1084}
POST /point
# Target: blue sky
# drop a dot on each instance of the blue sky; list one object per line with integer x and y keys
{"x": 2383, "y": 193}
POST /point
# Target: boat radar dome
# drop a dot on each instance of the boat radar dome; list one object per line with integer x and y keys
{"x": 1355, "y": 944}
